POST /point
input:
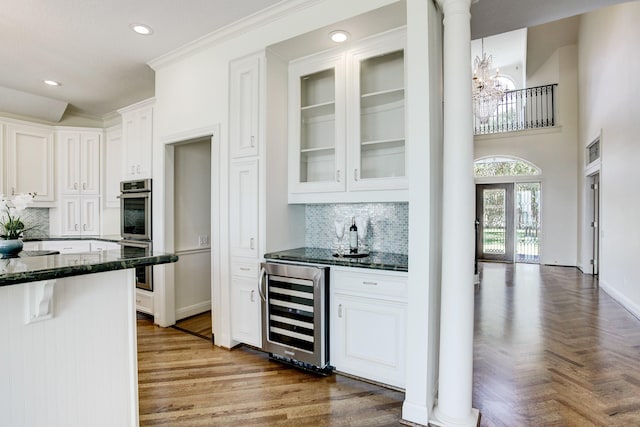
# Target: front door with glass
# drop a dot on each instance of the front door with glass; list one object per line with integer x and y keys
{"x": 494, "y": 210}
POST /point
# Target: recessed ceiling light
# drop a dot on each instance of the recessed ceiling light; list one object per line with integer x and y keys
{"x": 51, "y": 82}
{"x": 339, "y": 36}
{"x": 142, "y": 29}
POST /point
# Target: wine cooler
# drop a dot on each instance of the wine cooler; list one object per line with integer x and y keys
{"x": 295, "y": 314}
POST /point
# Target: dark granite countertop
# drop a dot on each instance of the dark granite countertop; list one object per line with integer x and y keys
{"x": 106, "y": 238}
{"x": 375, "y": 260}
{"x": 27, "y": 268}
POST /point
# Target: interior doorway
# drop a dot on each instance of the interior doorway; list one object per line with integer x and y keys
{"x": 508, "y": 217}
{"x": 594, "y": 185}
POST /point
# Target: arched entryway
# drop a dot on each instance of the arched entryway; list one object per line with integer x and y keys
{"x": 508, "y": 211}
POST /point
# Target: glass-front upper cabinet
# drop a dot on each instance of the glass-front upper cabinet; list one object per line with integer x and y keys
{"x": 316, "y": 137}
{"x": 377, "y": 140}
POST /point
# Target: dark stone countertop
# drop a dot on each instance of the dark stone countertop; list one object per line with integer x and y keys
{"x": 106, "y": 238}
{"x": 29, "y": 268}
{"x": 375, "y": 260}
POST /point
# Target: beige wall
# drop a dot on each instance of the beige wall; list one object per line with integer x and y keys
{"x": 609, "y": 92}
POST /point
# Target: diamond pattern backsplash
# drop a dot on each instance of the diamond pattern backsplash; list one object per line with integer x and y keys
{"x": 38, "y": 218}
{"x": 387, "y": 225}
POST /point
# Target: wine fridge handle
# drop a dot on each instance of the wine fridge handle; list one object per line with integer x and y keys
{"x": 263, "y": 274}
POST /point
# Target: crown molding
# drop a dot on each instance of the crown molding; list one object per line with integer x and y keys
{"x": 230, "y": 31}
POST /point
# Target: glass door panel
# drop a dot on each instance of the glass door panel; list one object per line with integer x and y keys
{"x": 494, "y": 210}
{"x": 528, "y": 222}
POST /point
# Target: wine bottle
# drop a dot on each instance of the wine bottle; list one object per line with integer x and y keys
{"x": 353, "y": 237}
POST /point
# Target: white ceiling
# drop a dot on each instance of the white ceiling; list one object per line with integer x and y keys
{"x": 87, "y": 44}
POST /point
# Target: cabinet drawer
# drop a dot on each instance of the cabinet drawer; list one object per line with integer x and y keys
{"x": 370, "y": 284}
{"x": 66, "y": 246}
{"x": 245, "y": 269}
{"x": 144, "y": 301}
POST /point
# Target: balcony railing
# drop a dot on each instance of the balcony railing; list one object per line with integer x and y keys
{"x": 521, "y": 109}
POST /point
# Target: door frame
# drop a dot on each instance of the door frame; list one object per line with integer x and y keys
{"x": 510, "y": 234}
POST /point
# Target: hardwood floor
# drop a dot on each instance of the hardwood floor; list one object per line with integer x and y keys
{"x": 551, "y": 349}
{"x": 185, "y": 381}
{"x": 198, "y": 325}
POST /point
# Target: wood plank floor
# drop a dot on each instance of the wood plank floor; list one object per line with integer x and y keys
{"x": 185, "y": 381}
{"x": 551, "y": 349}
{"x": 198, "y": 325}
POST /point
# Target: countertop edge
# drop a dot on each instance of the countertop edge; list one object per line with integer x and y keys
{"x": 83, "y": 269}
{"x": 335, "y": 261}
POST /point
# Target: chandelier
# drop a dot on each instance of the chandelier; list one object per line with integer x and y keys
{"x": 487, "y": 92}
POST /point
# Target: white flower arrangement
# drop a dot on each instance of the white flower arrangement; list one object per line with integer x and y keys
{"x": 12, "y": 226}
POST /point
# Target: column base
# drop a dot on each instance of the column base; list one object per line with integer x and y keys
{"x": 440, "y": 420}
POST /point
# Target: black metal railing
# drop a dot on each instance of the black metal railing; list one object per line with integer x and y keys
{"x": 520, "y": 109}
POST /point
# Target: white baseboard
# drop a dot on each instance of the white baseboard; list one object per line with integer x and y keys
{"x": 621, "y": 298}
{"x": 192, "y": 310}
{"x": 416, "y": 414}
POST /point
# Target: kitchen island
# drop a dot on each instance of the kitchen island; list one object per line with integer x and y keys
{"x": 68, "y": 354}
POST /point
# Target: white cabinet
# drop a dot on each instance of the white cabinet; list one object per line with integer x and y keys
{"x": 137, "y": 135}
{"x": 244, "y": 208}
{"x": 113, "y": 166}
{"x": 29, "y": 163}
{"x": 66, "y": 246}
{"x": 246, "y": 311}
{"x": 80, "y": 215}
{"x": 244, "y": 106}
{"x": 347, "y": 124}
{"x": 101, "y": 245}
{"x": 317, "y": 125}
{"x": 79, "y": 162}
{"x": 368, "y": 324}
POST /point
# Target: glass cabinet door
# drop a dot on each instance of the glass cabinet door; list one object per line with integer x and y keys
{"x": 317, "y": 113}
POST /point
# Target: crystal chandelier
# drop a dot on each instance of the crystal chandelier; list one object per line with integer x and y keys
{"x": 487, "y": 92}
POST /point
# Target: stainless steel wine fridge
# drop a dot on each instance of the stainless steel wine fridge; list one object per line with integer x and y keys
{"x": 295, "y": 314}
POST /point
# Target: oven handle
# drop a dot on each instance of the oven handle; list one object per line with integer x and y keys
{"x": 263, "y": 275}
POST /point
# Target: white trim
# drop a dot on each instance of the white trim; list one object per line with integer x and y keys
{"x": 620, "y": 298}
{"x": 189, "y": 134}
{"x": 192, "y": 310}
{"x": 143, "y": 103}
{"x": 518, "y": 133}
{"x": 251, "y": 22}
{"x": 414, "y": 413}
{"x": 193, "y": 251}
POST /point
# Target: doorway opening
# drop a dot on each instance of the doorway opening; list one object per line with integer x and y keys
{"x": 508, "y": 210}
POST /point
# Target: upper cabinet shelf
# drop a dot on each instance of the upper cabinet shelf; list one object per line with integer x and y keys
{"x": 347, "y": 123}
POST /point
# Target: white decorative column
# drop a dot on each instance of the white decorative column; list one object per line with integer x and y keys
{"x": 458, "y": 238}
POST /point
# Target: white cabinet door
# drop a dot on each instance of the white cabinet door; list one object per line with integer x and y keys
{"x": 369, "y": 339}
{"x": 244, "y": 208}
{"x": 80, "y": 216}
{"x": 244, "y": 106}
{"x": 368, "y": 324}
{"x": 89, "y": 166}
{"x": 246, "y": 310}
{"x": 317, "y": 125}
{"x": 137, "y": 132}
{"x": 113, "y": 166}
{"x": 90, "y": 215}
{"x": 79, "y": 162}
{"x": 377, "y": 159}
{"x": 66, "y": 246}
{"x": 30, "y": 159}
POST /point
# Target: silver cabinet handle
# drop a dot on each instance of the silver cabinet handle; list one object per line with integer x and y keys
{"x": 252, "y": 243}
{"x": 370, "y": 283}
{"x": 76, "y": 227}
{"x": 84, "y": 185}
{"x": 263, "y": 275}
{"x": 75, "y": 185}
{"x": 84, "y": 227}
{"x": 340, "y": 311}
{"x": 133, "y": 169}
{"x": 245, "y": 268}
{"x": 13, "y": 191}
{"x": 252, "y": 292}
{"x": 138, "y": 169}
{"x": 338, "y": 175}
{"x": 253, "y": 141}
{"x": 355, "y": 174}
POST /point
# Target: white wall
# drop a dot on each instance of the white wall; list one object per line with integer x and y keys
{"x": 554, "y": 150}
{"x": 192, "y": 214}
{"x": 609, "y": 91}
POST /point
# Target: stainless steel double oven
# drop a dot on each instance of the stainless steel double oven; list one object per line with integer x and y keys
{"x": 135, "y": 225}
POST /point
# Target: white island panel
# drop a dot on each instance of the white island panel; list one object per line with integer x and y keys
{"x": 78, "y": 368}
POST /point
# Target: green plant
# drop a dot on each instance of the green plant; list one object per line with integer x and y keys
{"x": 12, "y": 225}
